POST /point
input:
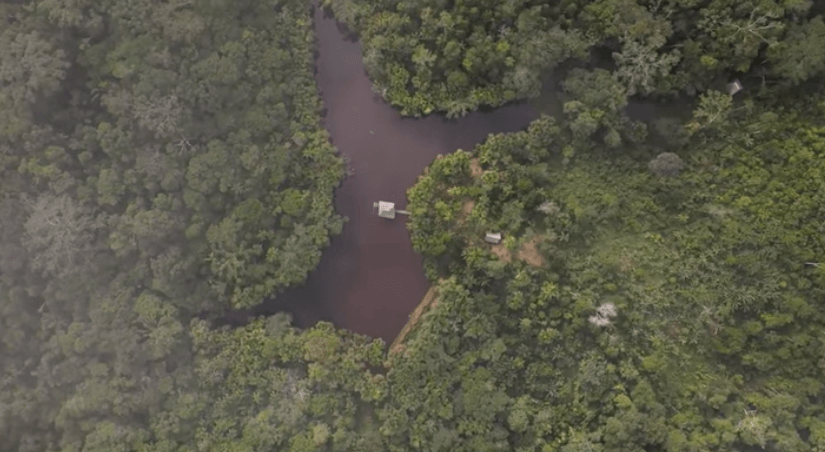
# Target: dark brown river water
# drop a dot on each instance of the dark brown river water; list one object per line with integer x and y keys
{"x": 369, "y": 279}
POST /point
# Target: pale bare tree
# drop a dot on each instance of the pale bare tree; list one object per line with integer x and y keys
{"x": 757, "y": 24}
{"x": 754, "y": 428}
{"x": 604, "y": 315}
{"x": 59, "y": 232}
{"x": 641, "y": 63}
{"x": 151, "y": 161}
{"x": 159, "y": 114}
{"x": 548, "y": 207}
{"x": 29, "y": 66}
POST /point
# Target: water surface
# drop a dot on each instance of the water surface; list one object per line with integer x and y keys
{"x": 369, "y": 279}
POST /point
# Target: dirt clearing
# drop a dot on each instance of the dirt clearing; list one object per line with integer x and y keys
{"x": 528, "y": 252}
{"x": 475, "y": 168}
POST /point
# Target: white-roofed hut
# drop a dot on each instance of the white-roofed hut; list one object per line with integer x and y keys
{"x": 387, "y": 210}
{"x": 492, "y": 237}
{"x": 734, "y": 87}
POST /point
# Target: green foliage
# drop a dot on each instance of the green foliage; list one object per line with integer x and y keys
{"x": 712, "y": 112}
{"x": 276, "y": 388}
{"x": 431, "y": 56}
{"x": 160, "y": 161}
{"x": 460, "y": 55}
{"x": 672, "y": 313}
{"x": 597, "y": 103}
{"x": 799, "y": 56}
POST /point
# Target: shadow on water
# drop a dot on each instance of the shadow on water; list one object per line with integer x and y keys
{"x": 369, "y": 279}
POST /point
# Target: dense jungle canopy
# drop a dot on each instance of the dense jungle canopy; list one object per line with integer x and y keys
{"x": 457, "y": 55}
{"x": 659, "y": 287}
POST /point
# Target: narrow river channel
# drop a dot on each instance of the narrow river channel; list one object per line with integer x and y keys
{"x": 369, "y": 279}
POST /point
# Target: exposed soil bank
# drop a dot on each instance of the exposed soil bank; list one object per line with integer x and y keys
{"x": 429, "y": 301}
{"x": 369, "y": 279}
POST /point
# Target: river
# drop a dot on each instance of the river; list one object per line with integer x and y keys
{"x": 369, "y": 279}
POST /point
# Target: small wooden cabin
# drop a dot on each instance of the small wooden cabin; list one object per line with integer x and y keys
{"x": 494, "y": 238}
{"x": 734, "y": 87}
{"x": 387, "y": 210}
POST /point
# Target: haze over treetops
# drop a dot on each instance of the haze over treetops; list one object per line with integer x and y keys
{"x": 658, "y": 287}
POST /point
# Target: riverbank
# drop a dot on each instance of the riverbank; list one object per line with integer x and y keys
{"x": 429, "y": 301}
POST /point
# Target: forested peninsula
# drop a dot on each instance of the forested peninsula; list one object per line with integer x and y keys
{"x": 658, "y": 288}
